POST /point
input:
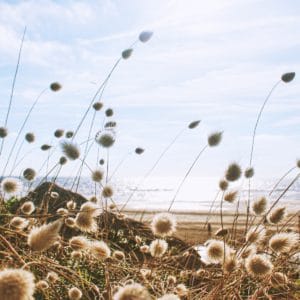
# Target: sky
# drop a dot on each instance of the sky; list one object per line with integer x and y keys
{"x": 213, "y": 61}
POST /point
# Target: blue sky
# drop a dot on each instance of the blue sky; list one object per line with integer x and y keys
{"x": 209, "y": 60}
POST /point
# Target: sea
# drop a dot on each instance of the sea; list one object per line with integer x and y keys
{"x": 198, "y": 194}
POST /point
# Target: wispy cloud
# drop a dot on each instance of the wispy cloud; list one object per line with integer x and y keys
{"x": 213, "y": 60}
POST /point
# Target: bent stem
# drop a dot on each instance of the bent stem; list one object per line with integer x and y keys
{"x": 279, "y": 181}
{"x": 119, "y": 165}
{"x": 13, "y": 86}
{"x": 153, "y": 167}
{"x": 211, "y": 208}
{"x": 102, "y": 86}
{"x": 185, "y": 177}
{"x": 252, "y": 148}
{"x": 21, "y": 129}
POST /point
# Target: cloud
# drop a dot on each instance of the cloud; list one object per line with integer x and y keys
{"x": 214, "y": 61}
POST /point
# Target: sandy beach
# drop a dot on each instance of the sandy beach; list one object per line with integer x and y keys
{"x": 191, "y": 226}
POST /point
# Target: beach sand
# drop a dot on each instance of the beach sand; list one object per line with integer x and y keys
{"x": 192, "y": 226}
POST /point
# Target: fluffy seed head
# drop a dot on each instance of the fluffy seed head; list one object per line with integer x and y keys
{"x": 43, "y": 237}
{"x": 278, "y": 279}
{"x": 259, "y": 206}
{"x": 85, "y": 218}
{"x": 58, "y": 133}
{"x": 90, "y": 208}
{"x": 55, "y": 86}
{"x": 230, "y": 264}
{"x": 45, "y": 147}
{"x": 74, "y": 293}
{"x": 97, "y": 106}
{"x": 283, "y": 242}
{"x": 298, "y": 163}
{"x": 109, "y": 112}
{"x": 249, "y": 172}
{"x": 69, "y": 134}
{"x": 133, "y": 291}
{"x": 101, "y": 162}
{"x": 3, "y": 132}
{"x": 233, "y": 172}
{"x": 223, "y": 185}
{"x": 106, "y": 138}
{"x": 10, "y": 185}
{"x": 181, "y": 289}
{"x": 277, "y": 215}
{"x": 247, "y": 252}
{"x": 127, "y": 53}
{"x": 138, "y": 239}
{"x": 110, "y": 124}
{"x": 79, "y": 243}
{"x": 221, "y": 232}
{"x": 70, "y": 222}
{"x": 62, "y": 211}
{"x": 54, "y": 195}
{"x": 288, "y": 77}
{"x": 76, "y": 255}
{"x": 145, "y": 36}
{"x": 71, "y": 205}
{"x": 52, "y": 277}
{"x": 139, "y": 150}
{"x": 144, "y": 249}
{"x": 119, "y": 255}
{"x": 29, "y": 174}
{"x": 107, "y": 191}
{"x": 30, "y": 137}
{"x": 86, "y": 222}
{"x": 19, "y": 223}
{"x": 214, "y": 139}
{"x": 169, "y": 297}
{"x": 27, "y": 208}
{"x": 16, "y": 284}
{"x": 194, "y": 124}
{"x": 71, "y": 150}
{"x": 255, "y": 235}
{"x": 258, "y": 265}
{"x": 230, "y": 196}
{"x": 100, "y": 250}
{"x": 158, "y": 248}
{"x": 63, "y": 160}
{"x": 42, "y": 285}
{"x": 112, "y": 206}
{"x": 215, "y": 251}
{"x": 163, "y": 224}
{"x": 97, "y": 175}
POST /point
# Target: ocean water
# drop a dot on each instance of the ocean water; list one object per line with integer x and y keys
{"x": 197, "y": 193}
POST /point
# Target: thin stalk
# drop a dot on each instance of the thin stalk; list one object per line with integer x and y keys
{"x": 119, "y": 165}
{"x": 95, "y": 96}
{"x": 22, "y": 127}
{"x": 23, "y": 157}
{"x": 279, "y": 181}
{"x": 107, "y": 165}
{"x": 252, "y": 148}
{"x": 186, "y": 175}
{"x": 211, "y": 207}
{"x": 16, "y": 157}
{"x": 271, "y": 207}
{"x": 86, "y": 148}
{"x": 153, "y": 167}
{"x": 13, "y": 86}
